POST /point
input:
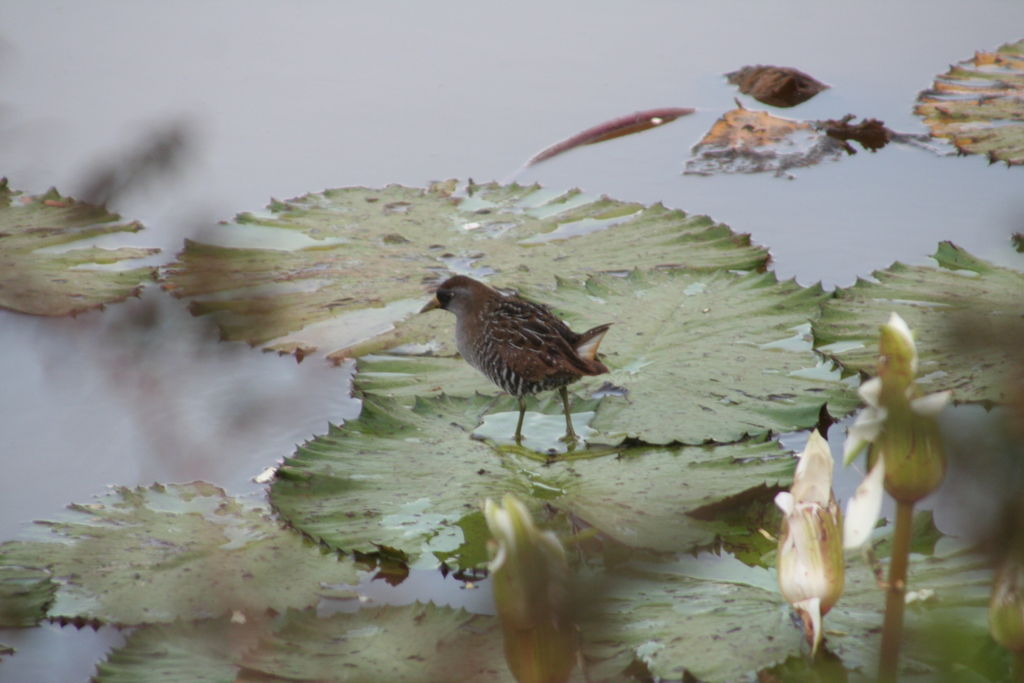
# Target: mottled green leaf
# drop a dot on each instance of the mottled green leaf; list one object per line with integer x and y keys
{"x": 418, "y": 642}
{"x": 25, "y": 592}
{"x": 700, "y": 356}
{"x": 979, "y": 104}
{"x": 720, "y": 620}
{"x": 43, "y": 272}
{"x": 965, "y": 316}
{"x": 354, "y": 264}
{"x": 188, "y": 551}
{"x": 200, "y": 652}
{"x": 409, "y": 478}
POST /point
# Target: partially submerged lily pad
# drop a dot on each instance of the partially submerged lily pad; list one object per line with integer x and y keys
{"x": 977, "y": 104}
{"x": 183, "y": 551}
{"x": 418, "y": 642}
{"x": 368, "y": 258}
{"x": 43, "y": 272}
{"x": 965, "y": 316}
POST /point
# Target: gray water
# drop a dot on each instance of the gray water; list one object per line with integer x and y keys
{"x": 280, "y": 99}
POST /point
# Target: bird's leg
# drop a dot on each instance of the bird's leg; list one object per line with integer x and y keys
{"x": 570, "y": 434}
{"x": 519, "y": 425}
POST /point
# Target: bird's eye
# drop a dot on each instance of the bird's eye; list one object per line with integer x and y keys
{"x": 444, "y": 296}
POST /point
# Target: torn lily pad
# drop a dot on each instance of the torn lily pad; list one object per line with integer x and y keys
{"x": 966, "y": 316}
{"x": 181, "y": 551}
{"x": 977, "y": 104}
{"x": 48, "y": 267}
{"x": 360, "y": 261}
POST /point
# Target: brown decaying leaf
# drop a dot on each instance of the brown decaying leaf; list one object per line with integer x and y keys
{"x": 617, "y": 127}
{"x": 870, "y": 133}
{"x": 779, "y": 86}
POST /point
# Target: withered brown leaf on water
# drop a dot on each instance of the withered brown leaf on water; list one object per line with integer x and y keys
{"x": 754, "y": 141}
{"x": 870, "y": 133}
{"x": 779, "y": 86}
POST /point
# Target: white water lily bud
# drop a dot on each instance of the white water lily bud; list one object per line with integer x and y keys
{"x": 810, "y": 557}
{"x": 864, "y": 507}
{"x": 898, "y": 423}
{"x": 530, "y": 577}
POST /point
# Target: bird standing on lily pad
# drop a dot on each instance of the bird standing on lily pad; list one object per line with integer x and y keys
{"x": 521, "y": 346}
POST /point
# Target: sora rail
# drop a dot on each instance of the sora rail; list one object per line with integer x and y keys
{"x": 521, "y": 346}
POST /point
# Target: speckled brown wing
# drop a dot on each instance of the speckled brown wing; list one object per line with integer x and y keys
{"x": 533, "y": 343}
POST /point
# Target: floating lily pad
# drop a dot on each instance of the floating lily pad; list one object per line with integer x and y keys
{"x": 681, "y": 353}
{"x": 408, "y": 479}
{"x": 25, "y": 593}
{"x": 720, "y": 620}
{"x": 705, "y": 357}
{"x": 367, "y": 258}
{"x": 204, "y": 652}
{"x": 187, "y": 551}
{"x": 418, "y": 642}
{"x": 962, "y": 314}
{"x": 42, "y": 272}
{"x": 979, "y": 104}
{"x": 397, "y": 479}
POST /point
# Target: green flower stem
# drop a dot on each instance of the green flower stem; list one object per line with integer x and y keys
{"x": 892, "y": 630}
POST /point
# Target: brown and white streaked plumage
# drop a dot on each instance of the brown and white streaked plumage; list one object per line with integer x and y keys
{"x": 521, "y": 346}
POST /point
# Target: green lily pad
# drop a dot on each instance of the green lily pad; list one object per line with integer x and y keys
{"x": 408, "y": 479}
{"x": 706, "y": 357}
{"x": 418, "y": 642}
{"x": 359, "y": 262}
{"x": 186, "y": 551}
{"x": 398, "y": 479}
{"x": 41, "y": 270}
{"x": 204, "y": 652}
{"x": 977, "y": 104}
{"x": 965, "y": 316}
{"x": 721, "y": 620}
{"x": 700, "y": 356}
{"x": 25, "y": 593}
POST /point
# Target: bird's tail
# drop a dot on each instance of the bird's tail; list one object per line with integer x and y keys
{"x": 586, "y": 347}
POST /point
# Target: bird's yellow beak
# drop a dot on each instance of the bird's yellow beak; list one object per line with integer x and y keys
{"x": 431, "y": 305}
